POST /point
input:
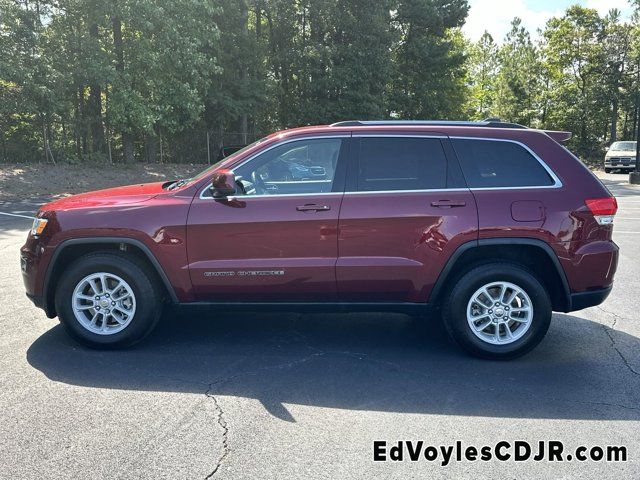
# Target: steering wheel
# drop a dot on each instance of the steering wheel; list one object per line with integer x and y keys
{"x": 258, "y": 183}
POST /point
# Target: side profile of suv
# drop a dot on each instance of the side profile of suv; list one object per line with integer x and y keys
{"x": 492, "y": 225}
{"x": 622, "y": 156}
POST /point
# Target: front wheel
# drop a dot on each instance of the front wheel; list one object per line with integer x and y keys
{"x": 607, "y": 170}
{"x": 108, "y": 300}
{"x": 497, "y": 311}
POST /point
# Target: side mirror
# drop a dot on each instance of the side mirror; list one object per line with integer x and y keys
{"x": 223, "y": 184}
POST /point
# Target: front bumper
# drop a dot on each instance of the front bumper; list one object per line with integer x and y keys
{"x": 589, "y": 298}
{"x": 629, "y": 165}
{"x": 37, "y": 300}
{"x": 621, "y": 167}
{"x": 34, "y": 258}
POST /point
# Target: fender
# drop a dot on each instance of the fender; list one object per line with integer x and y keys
{"x": 442, "y": 278}
{"x": 102, "y": 240}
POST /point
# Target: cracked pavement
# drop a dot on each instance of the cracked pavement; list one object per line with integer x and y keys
{"x": 218, "y": 395}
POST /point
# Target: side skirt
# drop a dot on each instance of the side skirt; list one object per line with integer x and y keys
{"x": 308, "y": 307}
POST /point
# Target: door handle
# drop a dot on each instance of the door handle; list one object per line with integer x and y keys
{"x": 447, "y": 204}
{"x": 312, "y": 207}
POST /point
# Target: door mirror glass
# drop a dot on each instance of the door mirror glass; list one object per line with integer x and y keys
{"x": 223, "y": 184}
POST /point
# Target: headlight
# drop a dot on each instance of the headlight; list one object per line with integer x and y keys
{"x": 38, "y": 226}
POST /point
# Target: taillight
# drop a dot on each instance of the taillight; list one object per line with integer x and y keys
{"x": 603, "y": 209}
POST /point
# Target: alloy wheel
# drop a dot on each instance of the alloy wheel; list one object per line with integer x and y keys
{"x": 103, "y": 303}
{"x": 499, "y": 313}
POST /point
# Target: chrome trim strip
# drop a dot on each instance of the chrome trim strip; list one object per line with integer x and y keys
{"x": 301, "y": 181}
{"x": 434, "y": 190}
{"x": 556, "y": 181}
{"x": 397, "y": 135}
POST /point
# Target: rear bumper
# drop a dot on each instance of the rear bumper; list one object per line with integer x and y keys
{"x": 591, "y": 267}
{"x": 588, "y": 299}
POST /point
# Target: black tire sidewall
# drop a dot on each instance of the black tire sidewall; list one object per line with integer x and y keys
{"x": 455, "y": 310}
{"x": 148, "y": 302}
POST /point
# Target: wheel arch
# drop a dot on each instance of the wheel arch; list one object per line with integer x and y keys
{"x": 536, "y": 255}
{"x": 71, "y": 249}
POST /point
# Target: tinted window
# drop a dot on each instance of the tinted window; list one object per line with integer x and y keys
{"x": 489, "y": 164}
{"x": 304, "y": 166}
{"x": 396, "y": 163}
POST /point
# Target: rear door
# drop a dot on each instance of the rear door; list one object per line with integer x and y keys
{"x": 406, "y": 209}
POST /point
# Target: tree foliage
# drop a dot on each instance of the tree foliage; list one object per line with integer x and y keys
{"x": 157, "y": 80}
{"x": 581, "y": 75}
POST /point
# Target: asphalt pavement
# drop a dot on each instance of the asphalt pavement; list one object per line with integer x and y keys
{"x": 272, "y": 396}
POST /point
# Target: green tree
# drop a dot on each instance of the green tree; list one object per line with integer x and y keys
{"x": 165, "y": 69}
{"x": 89, "y": 79}
{"x": 429, "y": 59}
{"x": 575, "y": 55}
{"x": 28, "y": 99}
{"x": 518, "y": 77}
{"x": 482, "y": 71}
{"x": 617, "y": 52}
{"x": 237, "y": 88}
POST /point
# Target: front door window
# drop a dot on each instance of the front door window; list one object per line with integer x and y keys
{"x": 304, "y": 166}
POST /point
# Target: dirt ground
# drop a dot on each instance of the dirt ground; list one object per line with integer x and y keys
{"x": 45, "y": 181}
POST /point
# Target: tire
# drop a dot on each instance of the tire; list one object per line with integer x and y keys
{"x": 533, "y": 303}
{"x": 607, "y": 170}
{"x": 136, "y": 296}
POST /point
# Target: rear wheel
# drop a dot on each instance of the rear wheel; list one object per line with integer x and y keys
{"x": 497, "y": 311}
{"x": 607, "y": 170}
{"x": 108, "y": 300}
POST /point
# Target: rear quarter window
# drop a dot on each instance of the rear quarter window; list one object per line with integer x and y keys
{"x": 495, "y": 164}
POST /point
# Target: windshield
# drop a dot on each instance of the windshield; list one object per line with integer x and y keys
{"x": 623, "y": 146}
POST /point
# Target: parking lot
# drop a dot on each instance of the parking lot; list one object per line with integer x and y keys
{"x": 288, "y": 395}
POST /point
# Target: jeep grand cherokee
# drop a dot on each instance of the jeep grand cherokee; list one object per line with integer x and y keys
{"x": 491, "y": 225}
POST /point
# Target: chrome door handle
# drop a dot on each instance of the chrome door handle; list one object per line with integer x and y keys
{"x": 447, "y": 204}
{"x": 312, "y": 207}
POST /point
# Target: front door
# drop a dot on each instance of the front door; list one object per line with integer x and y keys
{"x": 406, "y": 209}
{"x": 276, "y": 240}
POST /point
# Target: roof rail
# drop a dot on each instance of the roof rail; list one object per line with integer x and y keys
{"x": 490, "y": 122}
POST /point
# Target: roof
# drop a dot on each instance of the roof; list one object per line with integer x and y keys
{"x": 490, "y": 123}
{"x": 489, "y": 127}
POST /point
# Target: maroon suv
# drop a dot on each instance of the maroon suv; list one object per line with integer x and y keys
{"x": 493, "y": 224}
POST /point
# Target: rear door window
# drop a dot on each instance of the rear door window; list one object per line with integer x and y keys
{"x": 401, "y": 163}
{"x": 496, "y": 164}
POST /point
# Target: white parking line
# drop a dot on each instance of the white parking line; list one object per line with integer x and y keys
{"x": 16, "y": 215}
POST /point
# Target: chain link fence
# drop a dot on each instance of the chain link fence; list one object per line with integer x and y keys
{"x": 202, "y": 146}
{"x": 198, "y": 146}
